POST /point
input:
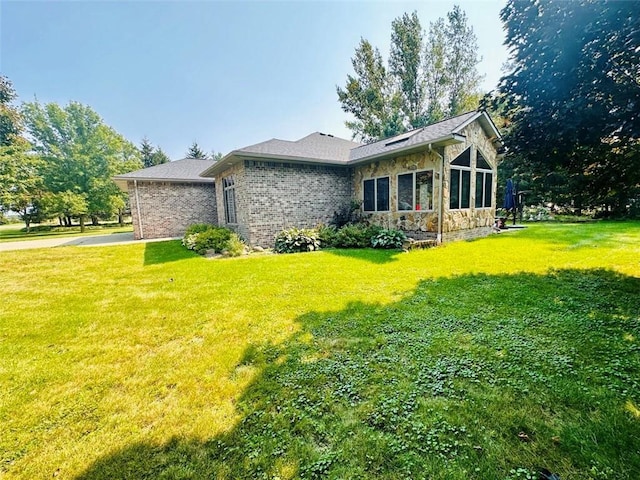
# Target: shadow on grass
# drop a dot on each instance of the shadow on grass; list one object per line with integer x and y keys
{"x": 442, "y": 385}
{"x": 372, "y": 255}
{"x": 165, "y": 252}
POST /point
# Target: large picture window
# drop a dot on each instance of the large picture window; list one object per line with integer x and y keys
{"x": 460, "y": 181}
{"x": 229, "y": 194}
{"x": 484, "y": 182}
{"x": 415, "y": 191}
{"x": 376, "y": 195}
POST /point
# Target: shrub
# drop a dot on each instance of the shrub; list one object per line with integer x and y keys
{"x": 327, "y": 235}
{"x": 347, "y": 214}
{"x": 202, "y": 237}
{"x": 198, "y": 228}
{"x": 235, "y": 246}
{"x": 388, "y": 239}
{"x": 297, "y": 240}
{"x": 356, "y": 236}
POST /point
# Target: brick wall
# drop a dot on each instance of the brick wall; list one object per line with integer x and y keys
{"x": 167, "y": 209}
{"x": 283, "y": 195}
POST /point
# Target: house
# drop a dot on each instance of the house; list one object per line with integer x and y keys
{"x": 436, "y": 182}
{"x": 165, "y": 199}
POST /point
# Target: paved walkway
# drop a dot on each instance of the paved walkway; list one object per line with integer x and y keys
{"x": 85, "y": 241}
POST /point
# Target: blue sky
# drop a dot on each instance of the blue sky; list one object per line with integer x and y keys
{"x": 226, "y": 74}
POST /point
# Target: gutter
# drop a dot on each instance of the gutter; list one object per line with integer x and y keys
{"x": 135, "y": 187}
{"x": 450, "y": 139}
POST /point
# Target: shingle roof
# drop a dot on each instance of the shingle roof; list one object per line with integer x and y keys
{"x": 419, "y": 136}
{"x": 185, "y": 170}
{"x": 318, "y": 146}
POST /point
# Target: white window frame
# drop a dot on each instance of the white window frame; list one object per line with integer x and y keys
{"x": 375, "y": 194}
{"x": 413, "y": 187}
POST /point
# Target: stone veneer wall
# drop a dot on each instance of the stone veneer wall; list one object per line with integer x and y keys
{"x": 456, "y": 224}
{"x": 470, "y": 222}
{"x": 167, "y": 209}
{"x": 272, "y": 196}
{"x": 423, "y": 224}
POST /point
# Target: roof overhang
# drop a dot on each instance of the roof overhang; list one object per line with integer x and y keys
{"x": 121, "y": 182}
{"x": 450, "y": 139}
{"x": 238, "y": 156}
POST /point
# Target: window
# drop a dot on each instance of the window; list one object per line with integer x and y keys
{"x": 460, "y": 181}
{"x": 415, "y": 191}
{"x": 376, "y": 195}
{"x": 229, "y": 194}
{"x": 484, "y": 182}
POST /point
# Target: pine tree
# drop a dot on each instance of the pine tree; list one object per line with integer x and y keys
{"x": 196, "y": 152}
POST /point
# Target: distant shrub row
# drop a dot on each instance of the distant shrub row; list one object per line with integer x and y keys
{"x": 201, "y": 237}
{"x": 357, "y": 235}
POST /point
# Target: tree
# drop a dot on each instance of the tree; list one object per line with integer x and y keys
{"x": 80, "y": 155}
{"x": 10, "y": 122}
{"x": 461, "y": 64}
{"x": 151, "y": 156}
{"x": 159, "y": 156}
{"x": 436, "y": 78}
{"x": 196, "y": 152}
{"x": 572, "y": 96}
{"x": 425, "y": 80}
{"x": 21, "y": 183}
{"x": 368, "y": 97}
{"x": 217, "y": 156}
{"x": 405, "y": 66}
{"x": 146, "y": 153}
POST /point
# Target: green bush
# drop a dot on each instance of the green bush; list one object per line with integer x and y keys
{"x": 202, "y": 237}
{"x": 327, "y": 235}
{"x": 297, "y": 240}
{"x": 198, "y": 228}
{"x": 388, "y": 239}
{"x": 235, "y": 245}
{"x": 356, "y": 236}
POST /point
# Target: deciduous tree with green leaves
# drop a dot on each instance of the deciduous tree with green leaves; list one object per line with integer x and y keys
{"x": 426, "y": 80}
{"x": 573, "y": 96}
{"x": 81, "y": 154}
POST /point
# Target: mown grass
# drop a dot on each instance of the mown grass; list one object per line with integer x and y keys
{"x": 486, "y": 359}
{"x": 15, "y": 233}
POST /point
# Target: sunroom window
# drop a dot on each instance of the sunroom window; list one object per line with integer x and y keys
{"x": 376, "y": 195}
{"x": 415, "y": 191}
{"x": 460, "y": 181}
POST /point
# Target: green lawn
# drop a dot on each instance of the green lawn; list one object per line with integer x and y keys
{"x": 14, "y": 233}
{"x": 488, "y": 359}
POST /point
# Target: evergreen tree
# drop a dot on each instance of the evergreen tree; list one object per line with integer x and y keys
{"x": 196, "y": 152}
{"x": 146, "y": 153}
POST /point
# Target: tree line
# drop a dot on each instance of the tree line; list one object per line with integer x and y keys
{"x": 568, "y": 103}
{"x": 58, "y": 161}
{"x": 430, "y": 75}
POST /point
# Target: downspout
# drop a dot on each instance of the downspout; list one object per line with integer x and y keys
{"x": 440, "y": 208}
{"x": 135, "y": 187}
